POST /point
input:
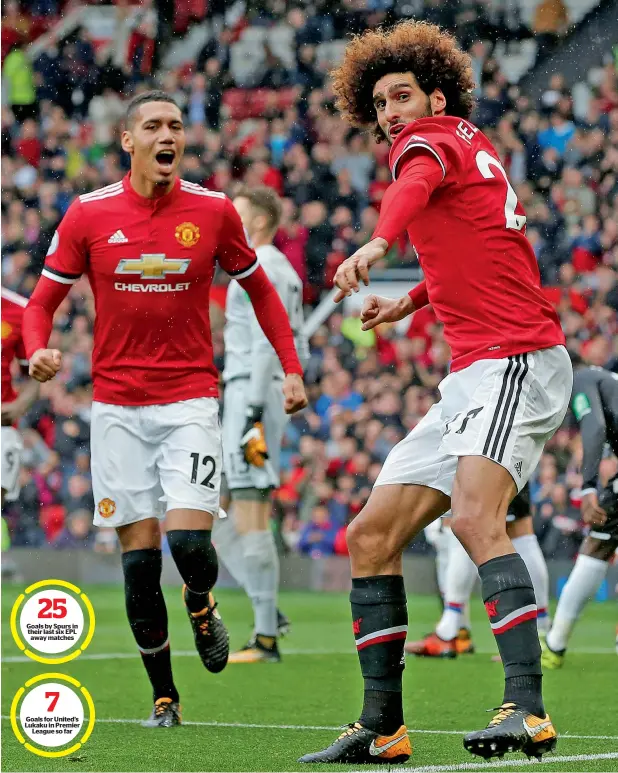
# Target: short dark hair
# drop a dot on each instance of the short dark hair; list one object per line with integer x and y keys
{"x": 264, "y": 198}
{"x": 141, "y": 99}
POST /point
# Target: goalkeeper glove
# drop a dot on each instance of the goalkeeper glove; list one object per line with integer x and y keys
{"x": 253, "y": 442}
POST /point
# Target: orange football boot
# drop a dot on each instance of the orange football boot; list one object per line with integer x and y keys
{"x": 432, "y": 646}
{"x": 463, "y": 642}
{"x": 359, "y": 745}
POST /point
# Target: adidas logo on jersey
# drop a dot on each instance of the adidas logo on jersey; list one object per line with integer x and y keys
{"x": 518, "y": 468}
{"x": 117, "y": 238}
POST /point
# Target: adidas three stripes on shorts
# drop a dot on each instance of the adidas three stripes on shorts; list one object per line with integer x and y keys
{"x": 504, "y": 409}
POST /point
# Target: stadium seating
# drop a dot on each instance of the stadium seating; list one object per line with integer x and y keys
{"x": 331, "y": 455}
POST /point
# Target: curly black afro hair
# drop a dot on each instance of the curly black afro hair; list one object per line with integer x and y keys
{"x": 430, "y": 54}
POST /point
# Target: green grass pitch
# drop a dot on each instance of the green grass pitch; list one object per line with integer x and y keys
{"x": 263, "y": 717}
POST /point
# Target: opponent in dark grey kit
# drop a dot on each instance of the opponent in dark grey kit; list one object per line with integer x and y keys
{"x": 595, "y": 406}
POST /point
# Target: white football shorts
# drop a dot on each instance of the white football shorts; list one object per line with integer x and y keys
{"x": 504, "y": 409}
{"x": 236, "y": 400}
{"x": 11, "y": 460}
{"x": 149, "y": 459}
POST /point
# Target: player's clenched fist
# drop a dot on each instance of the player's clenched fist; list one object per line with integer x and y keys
{"x": 294, "y": 393}
{"x": 356, "y": 267}
{"x": 45, "y": 363}
{"x": 377, "y": 310}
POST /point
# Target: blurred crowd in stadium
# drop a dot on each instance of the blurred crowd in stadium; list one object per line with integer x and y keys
{"x": 61, "y": 115}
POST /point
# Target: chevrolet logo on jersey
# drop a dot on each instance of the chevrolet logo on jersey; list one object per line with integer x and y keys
{"x": 153, "y": 266}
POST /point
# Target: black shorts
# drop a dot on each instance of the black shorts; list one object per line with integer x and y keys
{"x": 520, "y": 506}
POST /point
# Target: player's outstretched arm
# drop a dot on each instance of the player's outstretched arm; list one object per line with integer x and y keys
{"x": 404, "y": 200}
{"x": 263, "y": 363}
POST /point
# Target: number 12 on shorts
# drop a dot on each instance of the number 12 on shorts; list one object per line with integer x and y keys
{"x": 208, "y": 462}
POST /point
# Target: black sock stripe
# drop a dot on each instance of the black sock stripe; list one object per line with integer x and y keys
{"x": 494, "y": 421}
{"x": 506, "y": 407}
{"x": 520, "y": 383}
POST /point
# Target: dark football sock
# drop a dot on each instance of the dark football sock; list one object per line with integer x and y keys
{"x": 380, "y": 623}
{"x": 511, "y": 606}
{"x": 148, "y": 617}
{"x": 196, "y": 559}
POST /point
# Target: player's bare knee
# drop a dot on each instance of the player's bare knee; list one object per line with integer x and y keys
{"x": 141, "y": 535}
{"x": 475, "y": 523}
{"x": 371, "y": 548}
{"x": 356, "y": 536}
{"x": 364, "y": 541}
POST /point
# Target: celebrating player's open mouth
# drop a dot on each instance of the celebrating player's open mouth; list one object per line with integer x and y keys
{"x": 165, "y": 160}
{"x": 394, "y": 130}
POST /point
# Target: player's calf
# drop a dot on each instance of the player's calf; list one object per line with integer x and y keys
{"x": 196, "y": 559}
{"x": 394, "y": 514}
{"x": 262, "y": 571}
{"x": 148, "y": 618}
{"x": 511, "y": 607}
{"x": 481, "y": 494}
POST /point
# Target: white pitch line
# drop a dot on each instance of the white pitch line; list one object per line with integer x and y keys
{"x": 258, "y": 726}
{"x": 176, "y": 653}
{"x": 304, "y": 652}
{"x": 501, "y": 764}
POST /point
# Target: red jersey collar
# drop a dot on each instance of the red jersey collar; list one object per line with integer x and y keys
{"x": 143, "y": 200}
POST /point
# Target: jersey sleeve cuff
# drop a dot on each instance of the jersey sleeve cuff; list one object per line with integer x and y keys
{"x": 243, "y": 273}
{"x": 418, "y": 295}
{"x": 60, "y": 276}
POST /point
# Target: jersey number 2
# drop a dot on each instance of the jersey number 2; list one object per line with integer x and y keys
{"x": 485, "y": 162}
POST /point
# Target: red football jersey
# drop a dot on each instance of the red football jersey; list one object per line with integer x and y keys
{"x": 150, "y": 263}
{"x": 482, "y": 275}
{"x": 13, "y": 306}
